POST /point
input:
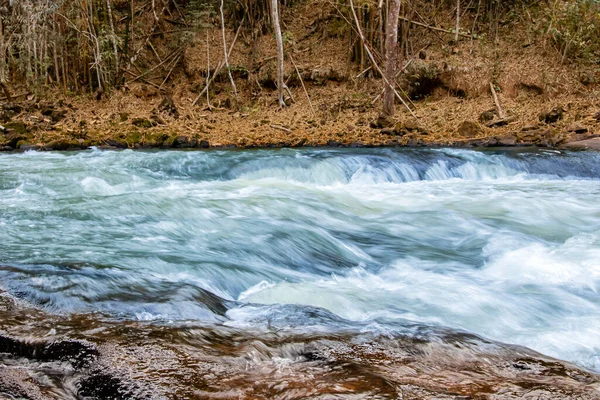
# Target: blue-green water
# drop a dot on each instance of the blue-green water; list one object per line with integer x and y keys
{"x": 503, "y": 244}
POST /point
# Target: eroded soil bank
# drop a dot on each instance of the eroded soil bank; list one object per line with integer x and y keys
{"x": 46, "y": 356}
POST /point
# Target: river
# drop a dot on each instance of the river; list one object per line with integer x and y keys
{"x": 501, "y": 244}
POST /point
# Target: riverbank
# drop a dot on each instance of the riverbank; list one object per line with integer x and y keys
{"x": 70, "y": 124}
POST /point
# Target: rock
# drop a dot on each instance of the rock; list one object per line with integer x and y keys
{"x": 382, "y": 122}
{"x": 487, "y": 116}
{"x": 27, "y": 147}
{"x": 592, "y": 144}
{"x": 588, "y": 79}
{"x": 528, "y": 128}
{"x": 142, "y": 123}
{"x": 203, "y": 144}
{"x": 157, "y": 120}
{"x": 576, "y": 128}
{"x": 62, "y": 144}
{"x": 13, "y": 139}
{"x": 506, "y": 140}
{"x": 470, "y": 129}
{"x": 54, "y": 114}
{"x": 388, "y": 131}
{"x": 8, "y": 111}
{"x": 552, "y": 116}
{"x": 184, "y": 142}
{"x": 597, "y": 116}
{"x": 168, "y": 106}
{"x": 501, "y": 122}
{"x": 16, "y": 126}
{"x": 414, "y": 126}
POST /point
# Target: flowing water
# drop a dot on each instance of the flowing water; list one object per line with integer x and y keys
{"x": 505, "y": 245}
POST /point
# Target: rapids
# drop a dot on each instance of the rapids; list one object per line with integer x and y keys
{"x": 502, "y": 244}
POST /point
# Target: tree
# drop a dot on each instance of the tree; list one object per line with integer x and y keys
{"x": 391, "y": 55}
{"x": 279, "y": 39}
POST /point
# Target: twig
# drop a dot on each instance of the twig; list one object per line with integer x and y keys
{"x": 177, "y": 54}
{"x": 435, "y": 28}
{"x": 303, "y": 87}
{"x": 281, "y": 128}
{"x": 170, "y": 71}
{"x": 140, "y": 78}
{"x": 397, "y": 74}
{"x": 220, "y": 66}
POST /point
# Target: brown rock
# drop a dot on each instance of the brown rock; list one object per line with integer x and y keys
{"x": 382, "y": 122}
{"x": 487, "y": 116}
{"x": 529, "y": 128}
{"x": 576, "y": 128}
{"x": 552, "y": 116}
{"x": 506, "y": 140}
{"x": 470, "y": 129}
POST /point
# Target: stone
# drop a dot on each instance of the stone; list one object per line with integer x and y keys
{"x": 168, "y": 106}
{"x": 414, "y": 126}
{"x": 506, "y": 140}
{"x": 142, "y": 123}
{"x": 487, "y": 116}
{"x": 470, "y": 129}
{"x": 529, "y": 128}
{"x": 552, "y": 116}
{"x": 16, "y": 126}
{"x": 382, "y": 122}
{"x": 576, "y": 128}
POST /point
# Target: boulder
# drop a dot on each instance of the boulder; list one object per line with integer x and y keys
{"x": 470, "y": 129}
{"x": 576, "y": 128}
{"x": 487, "y": 116}
{"x": 552, "y": 116}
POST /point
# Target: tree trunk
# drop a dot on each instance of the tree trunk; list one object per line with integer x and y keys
{"x": 457, "y": 21}
{"x": 114, "y": 42}
{"x": 3, "y": 64}
{"x": 279, "y": 40}
{"x": 225, "y": 51}
{"x": 391, "y": 55}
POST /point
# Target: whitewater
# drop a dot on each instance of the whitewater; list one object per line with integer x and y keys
{"x": 502, "y": 244}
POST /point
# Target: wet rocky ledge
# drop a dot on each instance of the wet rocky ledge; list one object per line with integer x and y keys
{"x": 91, "y": 356}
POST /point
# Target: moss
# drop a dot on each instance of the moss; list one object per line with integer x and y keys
{"x": 133, "y": 137}
{"x": 17, "y": 126}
